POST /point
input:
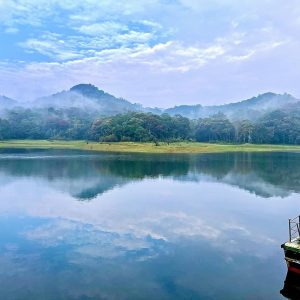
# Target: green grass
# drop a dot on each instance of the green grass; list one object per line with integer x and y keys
{"x": 180, "y": 147}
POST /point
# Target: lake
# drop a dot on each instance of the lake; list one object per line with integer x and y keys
{"x": 85, "y": 225}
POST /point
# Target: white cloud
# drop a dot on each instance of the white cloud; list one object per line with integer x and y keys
{"x": 11, "y": 30}
{"x": 255, "y": 50}
{"x": 106, "y": 28}
{"x": 150, "y": 24}
{"x": 170, "y": 51}
{"x": 135, "y": 37}
{"x": 51, "y": 45}
{"x": 33, "y": 12}
{"x": 164, "y": 57}
{"x": 152, "y": 73}
{"x": 75, "y": 47}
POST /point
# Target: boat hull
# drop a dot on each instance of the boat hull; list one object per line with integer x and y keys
{"x": 292, "y": 257}
{"x": 294, "y": 269}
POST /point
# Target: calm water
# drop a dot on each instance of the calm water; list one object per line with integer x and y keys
{"x": 77, "y": 225}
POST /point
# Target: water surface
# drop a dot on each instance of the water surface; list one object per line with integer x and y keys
{"x": 81, "y": 225}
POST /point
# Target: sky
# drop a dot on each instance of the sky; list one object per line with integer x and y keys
{"x": 154, "y": 52}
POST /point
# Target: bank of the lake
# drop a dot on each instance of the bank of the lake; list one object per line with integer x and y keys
{"x": 179, "y": 147}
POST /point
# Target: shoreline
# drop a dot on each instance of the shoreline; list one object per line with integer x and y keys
{"x": 138, "y": 147}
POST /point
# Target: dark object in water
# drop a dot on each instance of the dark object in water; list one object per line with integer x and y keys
{"x": 291, "y": 288}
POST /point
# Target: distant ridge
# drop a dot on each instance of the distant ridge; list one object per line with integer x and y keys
{"x": 6, "y": 102}
{"x": 249, "y": 109}
{"x": 91, "y": 98}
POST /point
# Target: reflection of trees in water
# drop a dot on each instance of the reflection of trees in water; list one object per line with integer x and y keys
{"x": 52, "y": 165}
{"x": 90, "y": 175}
{"x": 94, "y": 174}
{"x": 215, "y": 165}
{"x": 280, "y": 169}
{"x": 48, "y": 168}
{"x": 142, "y": 166}
{"x": 265, "y": 174}
{"x": 270, "y": 171}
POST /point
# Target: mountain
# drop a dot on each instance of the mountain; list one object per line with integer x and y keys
{"x": 88, "y": 97}
{"x": 190, "y": 111}
{"x": 6, "y": 103}
{"x": 93, "y": 100}
{"x": 247, "y": 109}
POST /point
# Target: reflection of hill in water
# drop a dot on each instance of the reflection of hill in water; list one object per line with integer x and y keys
{"x": 265, "y": 174}
{"x": 276, "y": 174}
{"x": 85, "y": 175}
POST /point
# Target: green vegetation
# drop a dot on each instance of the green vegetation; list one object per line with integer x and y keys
{"x": 178, "y": 147}
{"x": 281, "y": 126}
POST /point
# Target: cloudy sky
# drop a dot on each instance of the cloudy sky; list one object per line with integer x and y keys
{"x": 156, "y": 52}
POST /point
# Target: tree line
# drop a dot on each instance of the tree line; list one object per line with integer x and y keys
{"x": 276, "y": 127}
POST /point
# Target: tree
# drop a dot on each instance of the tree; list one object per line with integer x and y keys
{"x": 244, "y": 131}
{"x": 216, "y": 128}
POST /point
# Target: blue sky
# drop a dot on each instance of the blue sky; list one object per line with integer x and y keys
{"x": 155, "y": 52}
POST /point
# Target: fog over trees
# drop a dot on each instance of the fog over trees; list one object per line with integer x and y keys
{"x": 87, "y": 113}
{"x": 280, "y": 126}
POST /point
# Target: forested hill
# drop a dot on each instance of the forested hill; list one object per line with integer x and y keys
{"x": 87, "y": 97}
{"x": 281, "y": 126}
{"x": 90, "y": 98}
{"x": 247, "y": 109}
{"x": 87, "y": 113}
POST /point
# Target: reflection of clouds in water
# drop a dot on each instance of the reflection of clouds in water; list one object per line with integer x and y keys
{"x": 170, "y": 226}
{"x": 182, "y": 228}
{"x": 14, "y": 262}
{"x": 6, "y": 179}
{"x": 81, "y": 271}
{"x": 129, "y": 211}
{"x": 144, "y": 238}
{"x": 168, "y": 210}
{"x": 90, "y": 240}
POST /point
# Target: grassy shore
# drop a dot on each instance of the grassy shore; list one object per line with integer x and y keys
{"x": 180, "y": 147}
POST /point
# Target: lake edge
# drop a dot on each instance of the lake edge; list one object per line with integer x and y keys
{"x": 132, "y": 147}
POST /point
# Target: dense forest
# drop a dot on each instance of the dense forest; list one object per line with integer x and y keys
{"x": 281, "y": 126}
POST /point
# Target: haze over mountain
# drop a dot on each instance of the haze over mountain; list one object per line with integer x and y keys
{"x": 90, "y": 98}
{"x": 87, "y": 96}
{"x": 246, "y": 109}
{"x": 6, "y": 102}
